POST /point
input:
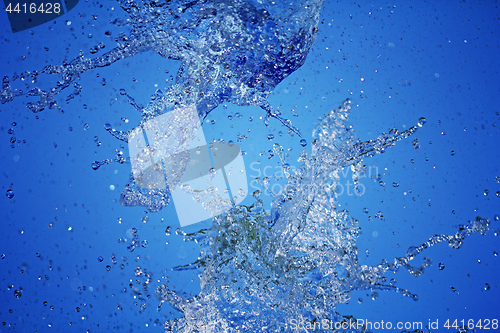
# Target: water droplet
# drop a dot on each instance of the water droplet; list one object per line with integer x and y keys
{"x": 441, "y": 266}
{"x": 416, "y": 145}
{"x": 497, "y": 179}
{"x": 394, "y": 184}
{"x": 498, "y": 194}
{"x": 100, "y": 258}
{"x": 452, "y": 153}
{"x": 486, "y": 192}
{"x": 421, "y": 122}
{"x": 17, "y": 293}
{"x": 374, "y": 296}
{"x": 303, "y": 142}
{"x": 487, "y": 286}
{"x": 144, "y": 243}
{"x": 10, "y": 193}
{"x": 270, "y": 137}
{"x": 86, "y": 127}
{"x": 168, "y": 230}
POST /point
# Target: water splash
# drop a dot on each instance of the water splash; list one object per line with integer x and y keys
{"x": 230, "y": 51}
{"x": 264, "y": 270}
{"x": 235, "y": 51}
{"x": 260, "y": 268}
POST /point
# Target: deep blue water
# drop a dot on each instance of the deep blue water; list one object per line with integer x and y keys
{"x": 397, "y": 63}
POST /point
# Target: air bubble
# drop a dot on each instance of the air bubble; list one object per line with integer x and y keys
{"x": 10, "y": 193}
{"x": 303, "y": 142}
{"x": 86, "y": 127}
{"x": 487, "y": 286}
{"x": 270, "y": 137}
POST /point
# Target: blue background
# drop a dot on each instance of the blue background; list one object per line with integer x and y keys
{"x": 396, "y": 62}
